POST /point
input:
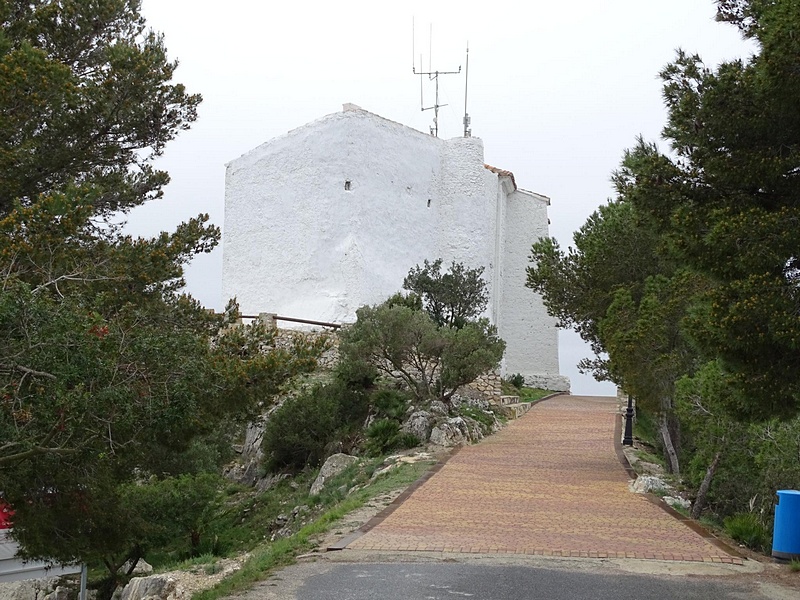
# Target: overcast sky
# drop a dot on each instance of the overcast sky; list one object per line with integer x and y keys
{"x": 557, "y": 91}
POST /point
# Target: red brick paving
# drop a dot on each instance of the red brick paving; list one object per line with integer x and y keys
{"x": 549, "y": 484}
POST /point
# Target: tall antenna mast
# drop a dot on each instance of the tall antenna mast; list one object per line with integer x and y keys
{"x": 467, "y": 120}
{"x": 432, "y": 76}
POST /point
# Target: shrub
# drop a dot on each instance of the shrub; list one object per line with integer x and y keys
{"x": 748, "y": 529}
{"x": 390, "y": 404}
{"x": 381, "y": 436}
{"x": 518, "y": 381}
{"x": 451, "y": 299}
{"x": 384, "y": 435}
{"x": 406, "y": 440}
{"x": 298, "y": 433}
{"x": 174, "y": 512}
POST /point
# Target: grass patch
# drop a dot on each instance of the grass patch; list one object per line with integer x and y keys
{"x": 649, "y": 457}
{"x": 270, "y": 556}
{"x": 794, "y": 566}
{"x": 645, "y": 427}
{"x": 748, "y": 529}
{"x": 476, "y": 414}
{"x": 525, "y": 393}
{"x": 528, "y": 394}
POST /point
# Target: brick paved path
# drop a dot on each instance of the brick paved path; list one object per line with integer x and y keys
{"x": 551, "y": 484}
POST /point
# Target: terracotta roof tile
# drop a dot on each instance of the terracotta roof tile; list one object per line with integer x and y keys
{"x": 502, "y": 173}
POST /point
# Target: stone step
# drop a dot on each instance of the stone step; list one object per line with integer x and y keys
{"x": 519, "y": 408}
{"x": 506, "y": 400}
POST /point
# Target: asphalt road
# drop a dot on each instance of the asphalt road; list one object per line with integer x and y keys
{"x": 450, "y": 581}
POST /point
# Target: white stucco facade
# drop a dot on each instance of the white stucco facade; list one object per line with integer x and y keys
{"x": 332, "y": 215}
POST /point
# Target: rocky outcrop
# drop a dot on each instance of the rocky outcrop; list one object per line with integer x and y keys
{"x": 645, "y": 484}
{"x": 334, "y": 465}
{"x": 247, "y": 470}
{"x": 419, "y": 424}
{"x": 142, "y": 568}
{"x": 455, "y": 431}
{"x": 29, "y": 589}
{"x": 282, "y": 525}
{"x": 179, "y": 585}
{"x": 155, "y": 587}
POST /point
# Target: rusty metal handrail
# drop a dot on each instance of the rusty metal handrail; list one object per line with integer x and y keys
{"x": 296, "y": 320}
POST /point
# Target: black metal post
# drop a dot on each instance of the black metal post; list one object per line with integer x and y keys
{"x": 627, "y": 439}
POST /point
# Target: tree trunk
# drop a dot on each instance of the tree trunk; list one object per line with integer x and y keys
{"x": 700, "y": 501}
{"x": 669, "y": 447}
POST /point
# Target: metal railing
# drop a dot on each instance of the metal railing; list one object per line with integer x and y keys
{"x": 276, "y": 318}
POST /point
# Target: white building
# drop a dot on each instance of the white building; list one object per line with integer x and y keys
{"x": 333, "y": 214}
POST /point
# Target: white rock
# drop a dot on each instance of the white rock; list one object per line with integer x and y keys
{"x": 29, "y": 589}
{"x": 142, "y": 568}
{"x": 648, "y": 483}
{"x": 677, "y": 502}
{"x": 332, "y": 467}
{"x": 450, "y": 433}
{"x": 419, "y": 424}
{"x": 155, "y": 587}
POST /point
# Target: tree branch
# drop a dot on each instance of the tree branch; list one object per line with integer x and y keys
{"x": 30, "y": 371}
{"x": 5, "y": 460}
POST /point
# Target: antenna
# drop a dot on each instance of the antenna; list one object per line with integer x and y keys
{"x": 467, "y": 120}
{"x": 432, "y": 76}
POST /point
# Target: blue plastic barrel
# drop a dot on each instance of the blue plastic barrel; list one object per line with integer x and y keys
{"x": 786, "y": 534}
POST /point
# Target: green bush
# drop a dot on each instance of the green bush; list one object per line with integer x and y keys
{"x": 748, "y": 529}
{"x": 517, "y": 380}
{"x": 406, "y": 440}
{"x": 381, "y": 436}
{"x": 298, "y": 433}
{"x": 175, "y": 512}
{"x": 390, "y": 404}
{"x": 384, "y": 435}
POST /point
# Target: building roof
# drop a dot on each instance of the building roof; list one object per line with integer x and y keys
{"x": 502, "y": 173}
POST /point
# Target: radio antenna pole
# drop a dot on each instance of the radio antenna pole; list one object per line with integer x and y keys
{"x": 432, "y": 76}
{"x": 467, "y": 120}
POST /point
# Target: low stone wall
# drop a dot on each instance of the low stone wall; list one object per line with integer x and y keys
{"x": 489, "y": 386}
{"x": 285, "y": 339}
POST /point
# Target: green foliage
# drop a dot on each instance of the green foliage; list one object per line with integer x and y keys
{"x": 757, "y": 458}
{"x": 748, "y": 529}
{"x": 298, "y": 433}
{"x": 529, "y": 394}
{"x": 616, "y": 249}
{"x": 108, "y": 374}
{"x": 385, "y": 435}
{"x": 485, "y": 420}
{"x": 451, "y": 299}
{"x": 381, "y": 436}
{"x": 265, "y": 558}
{"x": 730, "y": 191}
{"x": 517, "y": 380}
{"x": 405, "y": 346}
{"x": 390, "y": 404}
{"x": 101, "y": 82}
{"x": 645, "y": 426}
{"x": 175, "y": 511}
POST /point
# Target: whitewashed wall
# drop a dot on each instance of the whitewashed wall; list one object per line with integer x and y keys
{"x": 530, "y": 333}
{"x": 298, "y": 243}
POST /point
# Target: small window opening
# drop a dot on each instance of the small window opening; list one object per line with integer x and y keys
{"x": 429, "y": 202}
{"x": 347, "y": 185}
